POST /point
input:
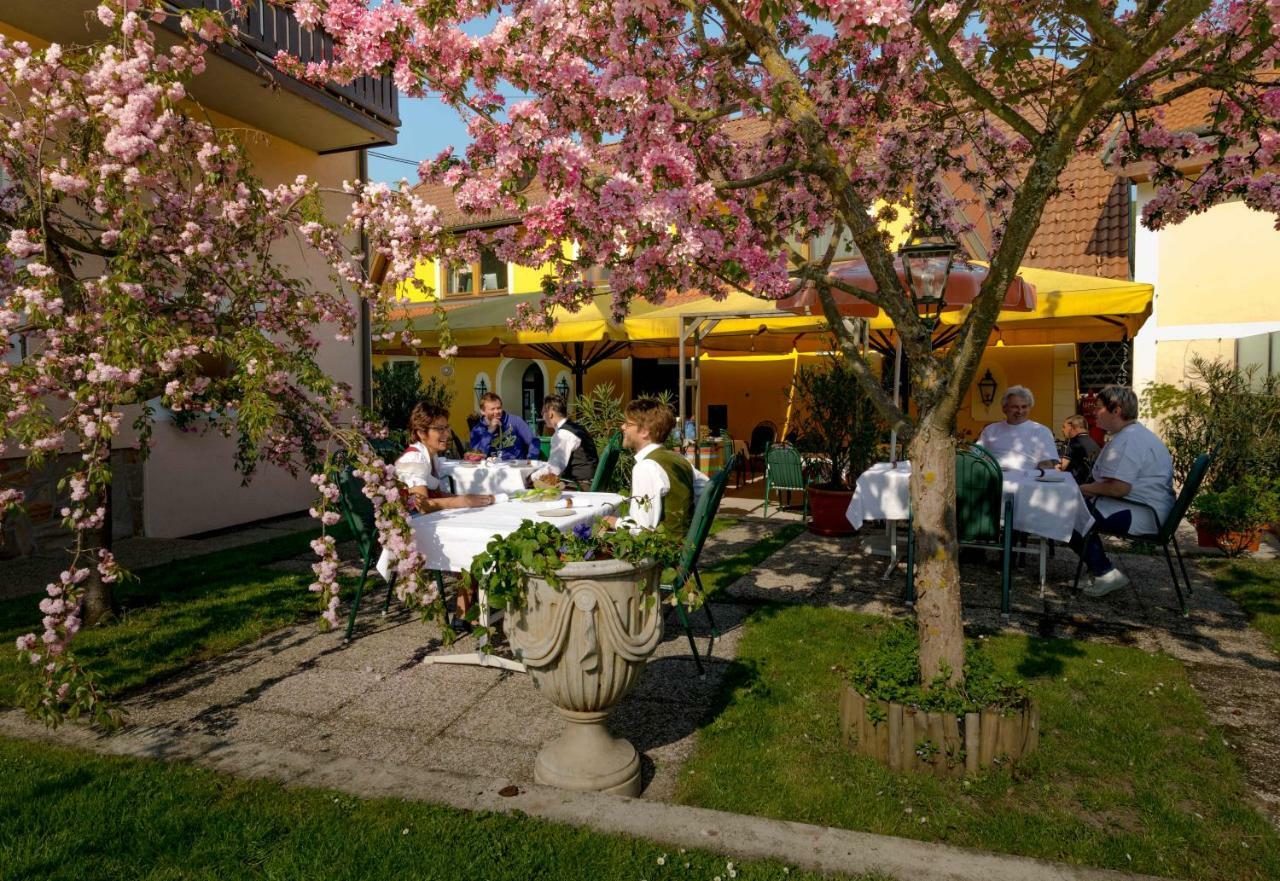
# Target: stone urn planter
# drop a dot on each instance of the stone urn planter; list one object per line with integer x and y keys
{"x": 584, "y": 647}
{"x": 942, "y": 744}
{"x": 827, "y": 509}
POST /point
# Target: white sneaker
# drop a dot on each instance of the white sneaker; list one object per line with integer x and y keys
{"x": 1105, "y": 583}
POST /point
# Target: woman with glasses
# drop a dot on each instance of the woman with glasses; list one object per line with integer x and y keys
{"x": 418, "y": 471}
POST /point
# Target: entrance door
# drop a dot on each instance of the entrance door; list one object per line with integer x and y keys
{"x": 531, "y": 393}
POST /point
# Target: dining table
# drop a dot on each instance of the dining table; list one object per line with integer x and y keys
{"x": 490, "y": 476}
{"x": 1046, "y": 504}
{"x": 450, "y": 540}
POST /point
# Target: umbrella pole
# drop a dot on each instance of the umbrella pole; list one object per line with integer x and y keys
{"x": 897, "y": 385}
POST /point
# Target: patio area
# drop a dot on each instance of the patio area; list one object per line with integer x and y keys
{"x": 374, "y": 701}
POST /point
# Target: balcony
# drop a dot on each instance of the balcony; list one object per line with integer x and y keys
{"x": 241, "y": 82}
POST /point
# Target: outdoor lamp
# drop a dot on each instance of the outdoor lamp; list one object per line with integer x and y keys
{"x": 926, "y": 260}
{"x": 481, "y": 388}
{"x": 987, "y": 388}
{"x": 562, "y": 388}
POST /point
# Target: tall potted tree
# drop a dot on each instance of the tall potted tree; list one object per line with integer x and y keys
{"x": 838, "y": 421}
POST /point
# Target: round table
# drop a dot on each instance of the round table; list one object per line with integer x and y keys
{"x": 488, "y": 477}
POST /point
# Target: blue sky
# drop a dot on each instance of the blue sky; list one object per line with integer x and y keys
{"x": 427, "y": 126}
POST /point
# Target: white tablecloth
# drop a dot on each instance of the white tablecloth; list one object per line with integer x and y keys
{"x": 483, "y": 477}
{"x": 1049, "y": 510}
{"x": 450, "y": 540}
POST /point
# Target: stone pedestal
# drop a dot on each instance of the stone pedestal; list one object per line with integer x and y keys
{"x": 584, "y": 646}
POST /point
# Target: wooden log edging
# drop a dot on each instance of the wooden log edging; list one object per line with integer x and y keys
{"x": 909, "y": 739}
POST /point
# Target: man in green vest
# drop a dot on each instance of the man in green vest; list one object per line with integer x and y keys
{"x": 664, "y": 486}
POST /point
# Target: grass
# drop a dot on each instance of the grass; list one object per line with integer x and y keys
{"x": 1130, "y": 773}
{"x": 177, "y": 614}
{"x": 72, "y": 815}
{"x": 725, "y": 572}
{"x": 1255, "y": 585}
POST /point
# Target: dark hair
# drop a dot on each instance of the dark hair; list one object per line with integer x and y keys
{"x": 556, "y": 405}
{"x": 424, "y": 413}
{"x": 652, "y": 415}
{"x": 1119, "y": 399}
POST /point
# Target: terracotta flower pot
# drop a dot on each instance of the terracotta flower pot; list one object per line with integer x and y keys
{"x": 1228, "y": 540}
{"x": 584, "y": 647}
{"x": 827, "y": 509}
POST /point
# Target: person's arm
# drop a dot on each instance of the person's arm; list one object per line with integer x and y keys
{"x": 1115, "y": 471}
{"x": 700, "y": 482}
{"x": 563, "y": 443}
{"x": 430, "y": 504}
{"x": 526, "y": 437}
{"x": 480, "y": 437}
{"x": 1107, "y": 486}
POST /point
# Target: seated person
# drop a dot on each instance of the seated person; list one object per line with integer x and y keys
{"x": 573, "y": 451}
{"x": 417, "y": 470}
{"x": 499, "y": 433}
{"x": 1018, "y": 442}
{"x": 1082, "y": 450}
{"x": 1134, "y": 466}
{"x": 664, "y": 486}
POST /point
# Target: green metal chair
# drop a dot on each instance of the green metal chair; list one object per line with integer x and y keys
{"x": 607, "y": 465}
{"x": 357, "y": 511}
{"x": 784, "y": 470}
{"x": 704, "y": 514}
{"x": 984, "y": 516}
{"x": 1168, "y": 532}
{"x": 387, "y": 450}
{"x": 456, "y": 449}
{"x": 545, "y": 444}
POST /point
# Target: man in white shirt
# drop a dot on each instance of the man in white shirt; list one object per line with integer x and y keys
{"x": 1134, "y": 466}
{"x": 664, "y": 486}
{"x": 1018, "y": 442}
{"x": 573, "y": 450}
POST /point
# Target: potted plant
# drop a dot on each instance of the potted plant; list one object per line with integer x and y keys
{"x": 887, "y": 713}
{"x": 583, "y": 616}
{"x": 836, "y": 420}
{"x": 1233, "y": 519}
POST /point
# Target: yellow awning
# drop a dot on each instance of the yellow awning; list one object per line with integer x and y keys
{"x": 663, "y": 323}
{"x": 486, "y": 322}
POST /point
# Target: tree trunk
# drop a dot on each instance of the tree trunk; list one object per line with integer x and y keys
{"x": 99, "y": 602}
{"x": 938, "y": 614}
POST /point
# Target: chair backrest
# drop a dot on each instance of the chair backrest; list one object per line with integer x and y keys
{"x": 704, "y": 514}
{"x": 1195, "y": 477}
{"x": 545, "y": 444}
{"x": 979, "y": 495}
{"x": 456, "y": 449}
{"x": 783, "y": 467}
{"x": 606, "y": 466}
{"x": 387, "y": 450}
{"x": 726, "y": 449}
{"x": 761, "y": 436}
{"x": 357, "y": 510}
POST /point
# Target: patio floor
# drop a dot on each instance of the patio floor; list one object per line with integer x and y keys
{"x": 374, "y": 701}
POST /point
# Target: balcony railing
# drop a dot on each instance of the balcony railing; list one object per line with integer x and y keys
{"x": 268, "y": 30}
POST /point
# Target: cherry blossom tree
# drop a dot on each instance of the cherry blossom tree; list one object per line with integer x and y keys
{"x": 137, "y": 272}
{"x": 688, "y": 144}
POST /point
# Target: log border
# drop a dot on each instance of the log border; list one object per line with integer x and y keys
{"x": 909, "y": 739}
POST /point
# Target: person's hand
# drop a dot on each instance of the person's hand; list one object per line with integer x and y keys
{"x": 479, "y": 500}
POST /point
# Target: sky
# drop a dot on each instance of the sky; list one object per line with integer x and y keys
{"x": 427, "y": 126}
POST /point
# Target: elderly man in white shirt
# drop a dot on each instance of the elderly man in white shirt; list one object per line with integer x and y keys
{"x": 664, "y": 486}
{"x": 1134, "y": 466}
{"x": 1018, "y": 442}
{"x": 573, "y": 453}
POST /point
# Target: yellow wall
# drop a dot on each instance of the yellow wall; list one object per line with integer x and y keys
{"x": 1173, "y": 357}
{"x": 1218, "y": 267}
{"x": 1049, "y": 376}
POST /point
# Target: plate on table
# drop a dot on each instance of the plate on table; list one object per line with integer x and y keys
{"x": 555, "y": 512}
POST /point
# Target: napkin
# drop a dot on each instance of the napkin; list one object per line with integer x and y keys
{"x": 499, "y": 498}
{"x": 564, "y": 502}
{"x": 1051, "y": 475}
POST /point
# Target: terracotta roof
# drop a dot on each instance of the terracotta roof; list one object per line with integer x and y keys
{"x": 1084, "y": 229}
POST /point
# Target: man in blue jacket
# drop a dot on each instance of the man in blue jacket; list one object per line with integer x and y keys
{"x": 499, "y": 433}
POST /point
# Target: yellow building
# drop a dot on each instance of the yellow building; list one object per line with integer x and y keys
{"x": 288, "y": 129}
{"x": 744, "y": 379}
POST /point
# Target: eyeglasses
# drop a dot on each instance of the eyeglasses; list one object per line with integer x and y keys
{"x": 444, "y": 427}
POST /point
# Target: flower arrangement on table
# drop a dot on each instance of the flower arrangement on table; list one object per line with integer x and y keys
{"x": 473, "y": 456}
{"x": 540, "y": 550}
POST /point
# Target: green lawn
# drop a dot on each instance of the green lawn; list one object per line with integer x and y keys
{"x": 1130, "y": 774}
{"x": 1255, "y": 585}
{"x": 72, "y": 815}
{"x": 177, "y": 614}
